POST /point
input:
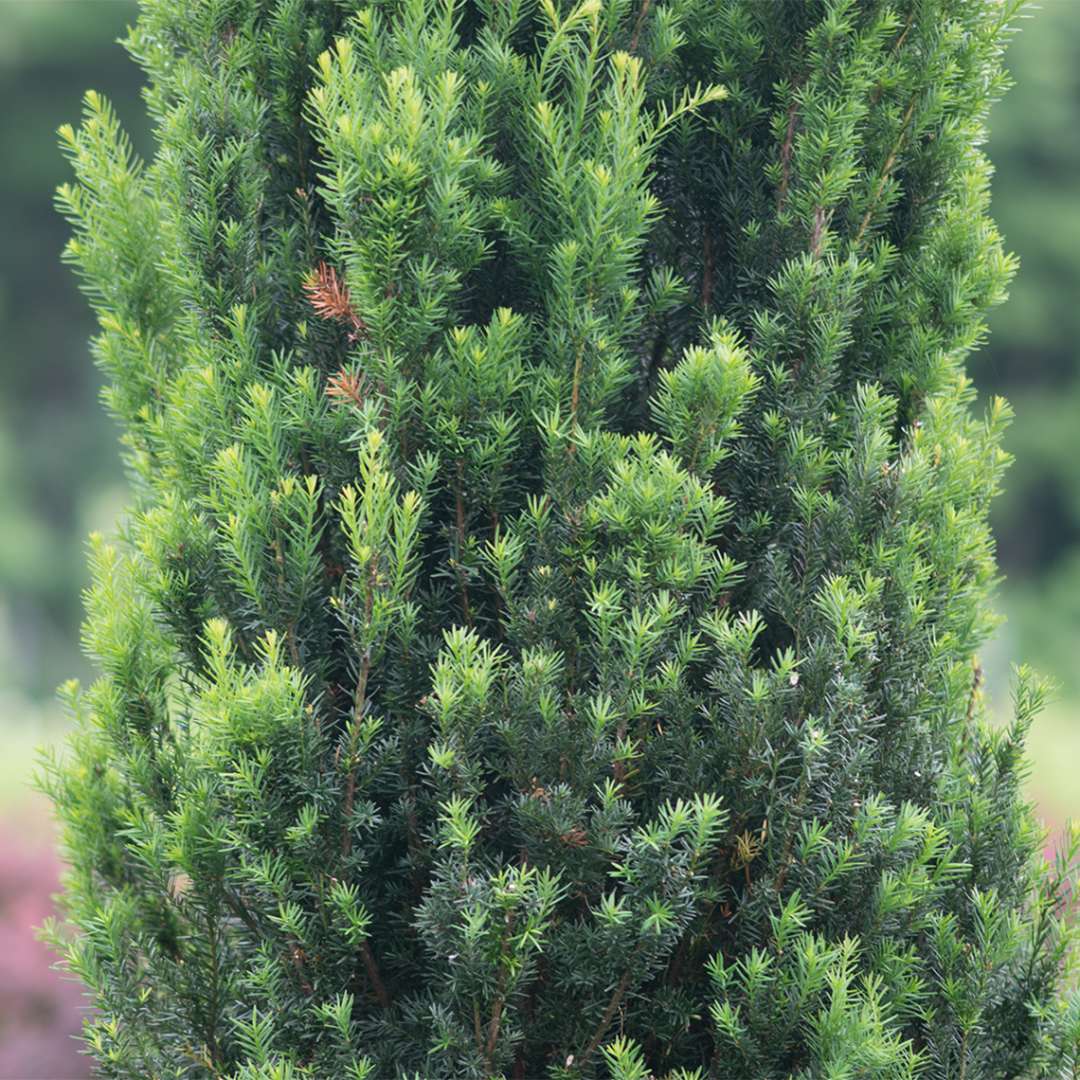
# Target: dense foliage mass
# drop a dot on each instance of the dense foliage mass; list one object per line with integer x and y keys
{"x": 543, "y": 641}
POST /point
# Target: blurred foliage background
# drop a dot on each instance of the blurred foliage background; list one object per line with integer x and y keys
{"x": 1033, "y": 358}
{"x": 59, "y": 478}
{"x": 60, "y": 475}
{"x": 59, "y": 468}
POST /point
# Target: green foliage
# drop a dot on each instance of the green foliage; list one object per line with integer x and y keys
{"x": 542, "y": 641}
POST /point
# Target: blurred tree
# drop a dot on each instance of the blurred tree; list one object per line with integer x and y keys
{"x": 1032, "y": 356}
{"x": 57, "y": 460}
{"x": 57, "y": 452}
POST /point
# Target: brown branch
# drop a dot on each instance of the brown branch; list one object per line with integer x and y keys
{"x": 493, "y": 1030}
{"x": 785, "y": 155}
{"x": 500, "y": 996}
{"x": 976, "y": 684}
{"x": 609, "y": 1014}
{"x": 879, "y": 89}
{"x": 787, "y": 858}
{"x": 817, "y": 236}
{"x": 372, "y": 968}
{"x": 886, "y": 171}
{"x": 638, "y": 25}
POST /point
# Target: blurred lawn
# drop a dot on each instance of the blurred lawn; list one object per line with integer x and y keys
{"x": 1054, "y": 747}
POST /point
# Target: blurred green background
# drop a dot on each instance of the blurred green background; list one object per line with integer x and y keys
{"x": 60, "y": 475}
{"x": 1033, "y": 358}
{"x": 59, "y": 478}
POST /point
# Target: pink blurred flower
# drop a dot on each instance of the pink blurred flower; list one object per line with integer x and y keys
{"x": 40, "y": 1010}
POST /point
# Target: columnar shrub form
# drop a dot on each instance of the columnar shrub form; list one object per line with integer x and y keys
{"x": 542, "y": 641}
